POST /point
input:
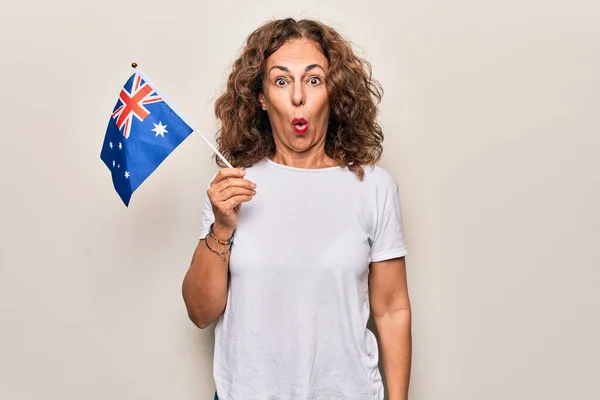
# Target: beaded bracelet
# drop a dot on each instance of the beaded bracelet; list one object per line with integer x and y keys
{"x": 219, "y": 253}
{"x": 211, "y": 232}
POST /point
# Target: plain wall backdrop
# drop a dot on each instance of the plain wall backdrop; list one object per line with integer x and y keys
{"x": 491, "y": 116}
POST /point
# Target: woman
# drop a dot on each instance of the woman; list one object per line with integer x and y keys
{"x": 302, "y": 239}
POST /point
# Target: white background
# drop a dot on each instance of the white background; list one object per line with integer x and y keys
{"x": 491, "y": 114}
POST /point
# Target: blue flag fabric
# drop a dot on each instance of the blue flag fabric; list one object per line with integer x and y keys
{"x": 142, "y": 131}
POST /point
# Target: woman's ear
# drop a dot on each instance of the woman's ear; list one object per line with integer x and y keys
{"x": 261, "y": 100}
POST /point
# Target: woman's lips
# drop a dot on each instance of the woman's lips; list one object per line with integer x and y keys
{"x": 300, "y": 125}
{"x": 301, "y": 128}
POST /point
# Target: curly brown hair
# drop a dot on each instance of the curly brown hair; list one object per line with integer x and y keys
{"x": 353, "y": 137}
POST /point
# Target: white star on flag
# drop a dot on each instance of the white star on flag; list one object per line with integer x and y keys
{"x": 127, "y": 174}
{"x": 160, "y": 129}
{"x": 114, "y": 163}
{"x": 110, "y": 145}
{"x": 120, "y": 145}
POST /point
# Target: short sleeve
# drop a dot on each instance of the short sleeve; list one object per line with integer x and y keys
{"x": 208, "y": 217}
{"x": 388, "y": 236}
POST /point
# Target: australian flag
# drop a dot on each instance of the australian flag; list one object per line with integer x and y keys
{"x": 142, "y": 131}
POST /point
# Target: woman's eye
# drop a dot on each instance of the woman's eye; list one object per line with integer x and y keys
{"x": 314, "y": 81}
{"x": 280, "y": 81}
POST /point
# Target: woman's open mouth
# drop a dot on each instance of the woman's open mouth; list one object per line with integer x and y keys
{"x": 300, "y": 125}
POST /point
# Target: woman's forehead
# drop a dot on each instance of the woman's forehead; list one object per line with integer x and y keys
{"x": 297, "y": 54}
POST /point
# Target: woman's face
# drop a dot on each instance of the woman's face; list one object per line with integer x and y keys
{"x": 295, "y": 95}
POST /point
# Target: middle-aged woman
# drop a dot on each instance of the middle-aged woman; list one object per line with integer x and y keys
{"x": 303, "y": 238}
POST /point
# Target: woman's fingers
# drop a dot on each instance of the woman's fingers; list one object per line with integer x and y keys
{"x": 228, "y": 190}
{"x": 234, "y": 182}
{"x": 228, "y": 187}
{"x": 225, "y": 173}
{"x": 235, "y": 201}
{"x": 233, "y": 191}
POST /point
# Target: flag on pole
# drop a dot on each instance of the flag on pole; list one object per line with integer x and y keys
{"x": 142, "y": 131}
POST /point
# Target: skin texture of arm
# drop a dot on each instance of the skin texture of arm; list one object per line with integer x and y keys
{"x": 390, "y": 307}
{"x": 204, "y": 286}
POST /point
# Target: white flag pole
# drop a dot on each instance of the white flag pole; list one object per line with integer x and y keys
{"x": 135, "y": 66}
{"x": 213, "y": 148}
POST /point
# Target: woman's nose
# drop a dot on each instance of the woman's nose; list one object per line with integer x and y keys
{"x": 298, "y": 95}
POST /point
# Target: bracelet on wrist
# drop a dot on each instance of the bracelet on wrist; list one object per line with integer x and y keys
{"x": 227, "y": 242}
{"x": 221, "y": 254}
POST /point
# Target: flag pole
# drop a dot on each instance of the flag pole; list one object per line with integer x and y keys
{"x": 217, "y": 152}
{"x": 134, "y": 65}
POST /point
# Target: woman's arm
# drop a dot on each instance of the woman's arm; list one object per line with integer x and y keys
{"x": 205, "y": 284}
{"x": 204, "y": 287}
{"x": 390, "y": 306}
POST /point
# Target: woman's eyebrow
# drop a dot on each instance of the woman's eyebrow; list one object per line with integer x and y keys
{"x": 286, "y": 69}
{"x": 279, "y": 67}
{"x": 312, "y": 66}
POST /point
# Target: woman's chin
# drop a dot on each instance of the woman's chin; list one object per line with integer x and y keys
{"x": 300, "y": 143}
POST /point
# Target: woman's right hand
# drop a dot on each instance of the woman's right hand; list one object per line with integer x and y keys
{"x": 227, "y": 192}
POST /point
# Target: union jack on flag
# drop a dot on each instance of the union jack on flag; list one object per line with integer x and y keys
{"x": 142, "y": 131}
{"x": 132, "y": 104}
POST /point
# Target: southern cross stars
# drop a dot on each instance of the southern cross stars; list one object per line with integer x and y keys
{"x": 160, "y": 129}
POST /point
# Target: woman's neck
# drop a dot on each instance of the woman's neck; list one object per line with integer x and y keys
{"x": 309, "y": 160}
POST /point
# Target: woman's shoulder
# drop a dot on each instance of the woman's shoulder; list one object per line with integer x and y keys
{"x": 379, "y": 177}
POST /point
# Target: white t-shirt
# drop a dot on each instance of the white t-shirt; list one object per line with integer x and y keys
{"x": 295, "y": 324}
